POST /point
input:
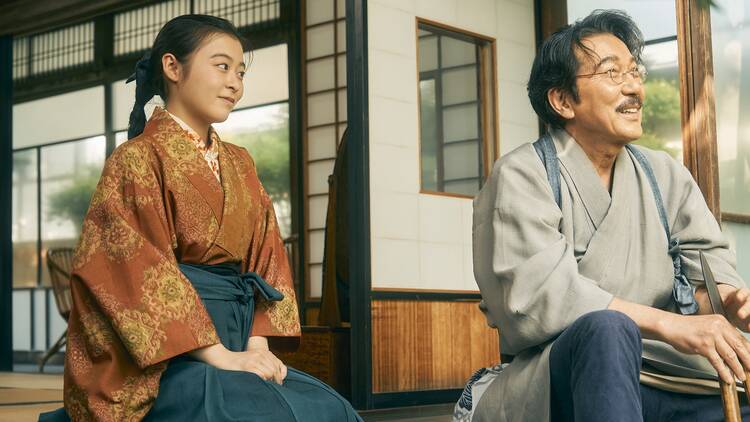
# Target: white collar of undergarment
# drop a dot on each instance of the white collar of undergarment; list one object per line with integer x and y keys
{"x": 184, "y": 125}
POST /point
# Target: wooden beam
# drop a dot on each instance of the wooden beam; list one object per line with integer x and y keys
{"x": 697, "y": 99}
{"x": 23, "y": 17}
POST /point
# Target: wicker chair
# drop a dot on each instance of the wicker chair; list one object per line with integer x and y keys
{"x": 60, "y": 264}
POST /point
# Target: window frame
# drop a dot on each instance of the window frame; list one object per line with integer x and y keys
{"x": 488, "y": 117}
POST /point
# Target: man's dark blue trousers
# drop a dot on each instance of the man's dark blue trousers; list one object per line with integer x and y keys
{"x": 594, "y": 373}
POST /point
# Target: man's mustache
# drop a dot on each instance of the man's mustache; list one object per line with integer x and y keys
{"x": 630, "y": 103}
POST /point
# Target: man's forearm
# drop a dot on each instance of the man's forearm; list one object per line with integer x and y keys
{"x": 650, "y": 320}
{"x": 653, "y": 322}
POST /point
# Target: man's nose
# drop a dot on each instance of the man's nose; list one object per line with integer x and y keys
{"x": 632, "y": 85}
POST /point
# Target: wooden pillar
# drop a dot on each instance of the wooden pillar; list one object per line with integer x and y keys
{"x": 6, "y": 186}
{"x": 358, "y": 192}
{"x": 697, "y": 98}
{"x": 551, "y": 15}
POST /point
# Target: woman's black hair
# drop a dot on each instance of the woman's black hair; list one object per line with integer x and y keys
{"x": 556, "y": 64}
{"x": 180, "y": 36}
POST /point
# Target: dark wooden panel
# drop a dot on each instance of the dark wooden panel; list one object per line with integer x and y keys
{"x": 428, "y": 345}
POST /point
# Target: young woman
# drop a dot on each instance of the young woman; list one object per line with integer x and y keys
{"x": 180, "y": 279}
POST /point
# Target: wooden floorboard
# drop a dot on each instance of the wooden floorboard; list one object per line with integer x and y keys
{"x": 34, "y": 381}
{"x": 24, "y": 413}
{"x": 24, "y": 396}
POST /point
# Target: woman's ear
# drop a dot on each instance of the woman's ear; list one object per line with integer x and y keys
{"x": 561, "y": 103}
{"x": 171, "y": 67}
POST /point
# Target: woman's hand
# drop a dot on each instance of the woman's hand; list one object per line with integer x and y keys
{"x": 260, "y": 362}
{"x": 713, "y": 337}
{"x": 257, "y": 360}
{"x": 261, "y": 343}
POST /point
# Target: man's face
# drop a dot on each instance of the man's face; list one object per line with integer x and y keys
{"x": 607, "y": 111}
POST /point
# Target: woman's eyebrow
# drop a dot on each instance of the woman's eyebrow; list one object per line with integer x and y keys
{"x": 228, "y": 58}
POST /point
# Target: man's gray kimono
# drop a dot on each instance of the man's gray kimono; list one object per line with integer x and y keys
{"x": 540, "y": 267}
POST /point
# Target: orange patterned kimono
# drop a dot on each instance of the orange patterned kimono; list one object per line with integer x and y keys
{"x": 158, "y": 203}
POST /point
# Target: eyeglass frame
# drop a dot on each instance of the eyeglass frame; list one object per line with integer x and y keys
{"x": 638, "y": 73}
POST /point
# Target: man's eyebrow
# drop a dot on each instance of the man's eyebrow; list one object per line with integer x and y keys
{"x": 609, "y": 59}
{"x": 228, "y": 57}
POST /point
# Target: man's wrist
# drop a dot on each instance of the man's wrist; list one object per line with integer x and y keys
{"x": 663, "y": 325}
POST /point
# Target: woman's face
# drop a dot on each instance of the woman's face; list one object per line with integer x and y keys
{"x": 212, "y": 86}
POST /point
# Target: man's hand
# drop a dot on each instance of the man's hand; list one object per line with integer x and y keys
{"x": 737, "y": 307}
{"x": 713, "y": 337}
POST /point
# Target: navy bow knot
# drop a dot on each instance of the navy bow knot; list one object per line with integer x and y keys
{"x": 142, "y": 70}
{"x": 682, "y": 291}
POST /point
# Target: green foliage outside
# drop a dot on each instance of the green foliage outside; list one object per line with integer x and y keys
{"x": 72, "y": 202}
{"x": 661, "y": 116}
{"x": 270, "y": 150}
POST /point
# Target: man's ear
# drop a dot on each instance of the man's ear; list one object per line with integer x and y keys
{"x": 561, "y": 103}
{"x": 171, "y": 67}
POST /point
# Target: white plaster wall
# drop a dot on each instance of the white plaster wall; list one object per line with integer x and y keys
{"x": 423, "y": 241}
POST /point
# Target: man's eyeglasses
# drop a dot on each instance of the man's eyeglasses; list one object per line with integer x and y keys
{"x": 638, "y": 73}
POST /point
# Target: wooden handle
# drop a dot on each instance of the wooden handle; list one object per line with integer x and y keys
{"x": 730, "y": 402}
{"x": 747, "y": 380}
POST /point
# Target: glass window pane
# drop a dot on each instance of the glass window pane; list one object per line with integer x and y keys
{"x": 738, "y": 235}
{"x": 661, "y": 107}
{"x": 730, "y": 33}
{"x": 461, "y": 160}
{"x": 456, "y": 52}
{"x": 120, "y": 138}
{"x": 656, "y": 19}
{"x": 460, "y": 85}
{"x": 428, "y": 53}
{"x": 264, "y": 132}
{"x": 69, "y": 174}
{"x": 464, "y": 187}
{"x": 429, "y": 134}
{"x": 24, "y": 228}
{"x": 460, "y": 123}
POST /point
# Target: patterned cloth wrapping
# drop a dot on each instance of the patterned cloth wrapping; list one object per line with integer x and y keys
{"x": 475, "y": 387}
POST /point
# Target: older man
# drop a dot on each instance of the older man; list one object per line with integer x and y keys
{"x": 594, "y": 299}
